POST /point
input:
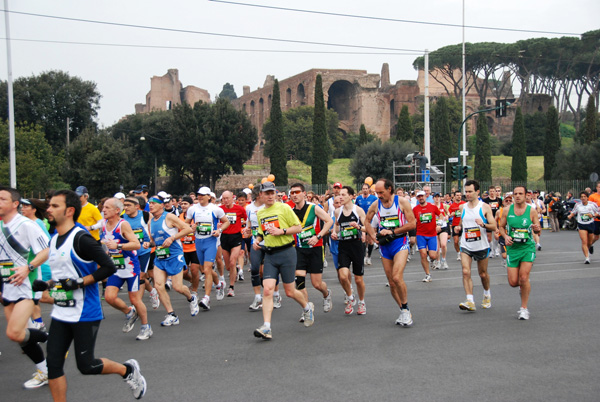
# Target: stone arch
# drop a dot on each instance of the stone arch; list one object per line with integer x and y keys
{"x": 341, "y": 98}
{"x": 244, "y": 108}
{"x": 300, "y": 95}
{"x": 252, "y": 109}
{"x": 288, "y": 98}
{"x": 261, "y": 112}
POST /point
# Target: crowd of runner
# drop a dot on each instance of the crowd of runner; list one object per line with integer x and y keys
{"x": 57, "y": 251}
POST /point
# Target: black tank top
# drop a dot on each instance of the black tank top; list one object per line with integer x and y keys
{"x": 348, "y": 232}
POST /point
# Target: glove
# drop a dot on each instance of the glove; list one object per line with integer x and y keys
{"x": 39, "y": 285}
{"x": 71, "y": 284}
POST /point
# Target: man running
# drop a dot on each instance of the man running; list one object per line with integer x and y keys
{"x": 309, "y": 244}
{"x": 495, "y": 202}
{"x": 425, "y": 215}
{"x": 586, "y": 212}
{"x": 517, "y": 225}
{"x": 78, "y": 262}
{"x": 364, "y": 200}
{"x": 475, "y": 215}
{"x": 396, "y": 219}
{"x": 277, "y": 225}
{"x": 188, "y": 243}
{"x": 23, "y": 249}
{"x": 231, "y": 239}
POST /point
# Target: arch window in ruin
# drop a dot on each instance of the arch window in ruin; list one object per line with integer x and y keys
{"x": 288, "y": 98}
{"x": 261, "y": 112}
{"x": 300, "y": 97}
{"x": 269, "y": 103}
{"x": 244, "y": 108}
{"x": 341, "y": 99}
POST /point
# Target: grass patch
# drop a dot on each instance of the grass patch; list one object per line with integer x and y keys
{"x": 501, "y": 166}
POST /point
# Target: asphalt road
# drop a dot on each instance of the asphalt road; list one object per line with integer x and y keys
{"x": 448, "y": 355}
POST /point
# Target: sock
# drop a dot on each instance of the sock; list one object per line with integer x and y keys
{"x": 207, "y": 297}
{"x": 173, "y": 314}
{"x": 361, "y": 301}
{"x": 144, "y": 326}
{"x": 39, "y": 319}
{"x": 470, "y": 298}
{"x": 42, "y": 367}
{"x": 275, "y": 294}
{"x": 221, "y": 278}
{"x": 404, "y": 306}
{"x": 231, "y": 287}
{"x": 268, "y": 325}
{"x": 128, "y": 369}
{"x": 258, "y": 296}
{"x": 487, "y": 293}
{"x": 369, "y": 250}
{"x": 306, "y": 308}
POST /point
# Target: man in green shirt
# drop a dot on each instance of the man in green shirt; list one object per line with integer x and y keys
{"x": 277, "y": 223}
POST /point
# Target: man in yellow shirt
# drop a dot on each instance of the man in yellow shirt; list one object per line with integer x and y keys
{"x": 89, "y": 213}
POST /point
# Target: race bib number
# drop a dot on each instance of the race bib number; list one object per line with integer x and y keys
{"x": 457, "y": 213}
{"x": 269, "y": 222}
{"x": 139, "y": 233}
{"x": 426, "y": 218}
{"x": 519, "y": 235}
{"x": 188, "y": 239}
{"x": 254, "y": 231}
{"x": 203, "y": 229}
{"x": 390, "y": 222}
{"x": 305, "y": 235}
{"x": 232, "y": 216}
{"x": 6, "y": 270}
{"x": 62, "y": 298}
{"x": 348, "y": 233}
{"x": 118, "y": 259}
{"x": 472, "y": 234}
{"x": 163, "y": 253}
{"x": 586, "y": 217}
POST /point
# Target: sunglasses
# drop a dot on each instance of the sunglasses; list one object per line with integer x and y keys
{"x": 295, "y": 192}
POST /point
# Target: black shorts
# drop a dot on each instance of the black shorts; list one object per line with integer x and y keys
{"x": 589, "y": 227}
{"x": 412, "y": 233}
{"x": 310, "y": 260}
{"x": 456, "y": 234}
{"x": 445, "y": 229}
{"x": 191, "y": 257}
{"x": 151, "y": 262}
{"x": 351, "y": 252}
{"x": 476, "y": 255}
{"x": 231, "y": 241}
{"x": 7, "y": 303}
{"x": 597, "y": 228}
{"x": 247, "y": 244}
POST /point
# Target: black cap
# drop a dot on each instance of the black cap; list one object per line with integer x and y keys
{"x": 141, "y": 188}
{"x": 81, "y": 190}
{"x": 267, "y": 186}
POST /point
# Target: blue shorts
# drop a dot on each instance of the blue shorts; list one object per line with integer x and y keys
{"x": 206, "y": 249}
{"x": 144, "y": 260}
{"x": 391, "y": 249}
{"x": 172, "y": 266}
{"x": 428, "y": 242}
{"x": 133, "y": 283}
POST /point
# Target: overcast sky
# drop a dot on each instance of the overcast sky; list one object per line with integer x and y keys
{"x": 123, "y": 73}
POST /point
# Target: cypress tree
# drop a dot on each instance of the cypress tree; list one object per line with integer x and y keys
{"x": 443, "y": 146}
{"x": 320, "y": 149}
{"x": 404, "y": 130}
{"x": 552, "y": 142}
{"x": 278, "y": 153}
{"x": 483, "y": 152}
{"x": 362, "y": 135}
{"x": 589, "y": 130}
{"x": 518, "y": 171}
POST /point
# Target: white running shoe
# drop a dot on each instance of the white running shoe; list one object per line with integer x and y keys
{"x": 405, "y": 318}
{"x": 427, "y": 278}
{"x": 194, "y": 309}
{"x": 444, "y": 264}
{"x": 587, "y": 261}
{"x": 170, "y": 320}
{"x": 205, "y": 303}
{"x": 130, "y": 319}
{"x": 221, "y": 290}
{"x": 257, "y": 304}
{"x": 309, "y": 316}
{"x": 240, "y": 274}
{"x": 203, "y": 277}
{"x": 458, "y": 257}
{"x": 39, "y": 379}
{"x": 277, "y": 301}
{"x": 154, "y": 299}
{"x": 327, "y": 302}
{"x": 523, "y": 314}
{"x": 169, "y": 284}
{"x": 324, "y": 263}
{"x": 145, "y": 333}
{"x": 263, "y": 332}
{"x": 136, "y": 380}
{"x": 231, "y": 293}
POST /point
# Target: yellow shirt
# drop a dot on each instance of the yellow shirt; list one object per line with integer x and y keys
{"x": 280, "y": 216}
{"x": 90, "y": 216}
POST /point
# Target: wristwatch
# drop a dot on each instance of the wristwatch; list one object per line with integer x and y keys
{"x": 284, "y": 231}
{"x": 31, "y": 268}
{"x": 319, "y": 236}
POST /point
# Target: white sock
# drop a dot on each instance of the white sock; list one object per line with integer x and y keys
{"x": 268, "y": 325}
{"x": 470, "y": 298}
{"x": 307, "y": 307}
{"x": 257, "y": 296}
{"x": 275, "y": 294}
{"x": 42, "y": 367}
{"x": 487, "y": 293}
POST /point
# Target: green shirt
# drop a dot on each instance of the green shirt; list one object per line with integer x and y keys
{"x": 280, "y": 216}
{"x": 518, "y": 227}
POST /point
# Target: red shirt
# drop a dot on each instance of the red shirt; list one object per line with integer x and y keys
{"x": 454, "y": 213}
{"x": 235, "y": 214}
{"x": 425, "y": 216}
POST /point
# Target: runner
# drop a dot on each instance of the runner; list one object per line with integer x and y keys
{"x": 328, "y": 206}
{"x": 242, "y": 200}
{"x": 90, "y": 215}
{"x": 517, "y": 224}
{"x": 425, "y": 215}
{"x": 165, "y": 232}
{"x": 122, "y": 243}
{"x": 348, "y": 230}
{"x": 586, "y": 212}
{"x": 495, "y": 202}
{"x": 443, "y": 231}
{"x": 192, "y": 274}
{"x": 396, "y": 219}
{"x": 364, "y": 200}
{"x": 23, "y": 249}
{"x": 506, "y": 203}
{"x": 257, "y": 255}
{"x": 309, "y": 244}
{"x": 277, "y": 224}
{"x": 74, "y": 260}
{"x": 475, "y": 215}
{"x": 231, "y": 237}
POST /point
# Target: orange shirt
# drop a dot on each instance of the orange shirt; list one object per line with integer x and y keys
{"x": 188, "y": 242}
{"x": 595, "y": 198}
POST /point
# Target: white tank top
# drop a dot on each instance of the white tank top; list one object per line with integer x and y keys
{"x": 474, "y": 237}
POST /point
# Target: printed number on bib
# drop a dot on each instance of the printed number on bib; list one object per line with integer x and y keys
{"x": 586, "y": 217}
{"x": 520, "y": 235}
{"x": 426, "y": 218}
{"x": 203, "y": 229}
{"x": 188, "y": 240}
{"x": 472, "y": 234}
{"x": 62, "y": 298}
{"x": 163, "y": 252}
{"x": 348, "y": 233}
{"x": 118, "y": 260}
{"x": 139, "y": 233}
{"x": 232, "y": 216}
{"x": 269, "y": 223}
{"x": 6, "y": 270}
{"x": 390, "y": 222}
{"x": 254, "y": 231}
{"x": 305, "y": 235}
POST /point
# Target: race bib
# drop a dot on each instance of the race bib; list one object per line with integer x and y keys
{"x": 232, "y": 216}
{"x": 305, "y": 235}
{"x": 519, "y": 235}
{"x": 457, "y": 213}
{"x": 586, "y": 217}
{"x": 139, "y": 233}
{"x": 189, "y": 239}
{"x": 203, "y": 229}
{"x": 426, "y": 218}
{"x": 390, "y": 222}
{"x": 269, "y": 222}
{"x": 62, "y": 298}
{"x": 348, "y": 233}
{"x": 472, "y": 234}
{"x": 118, "y": 259}
{"x": 163, "y": 253}
{"x": 254, "y": 231}
{"x": 6, "y": 270}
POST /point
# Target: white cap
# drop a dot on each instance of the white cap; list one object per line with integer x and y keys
{"x": 164, "y": 195}
{"x": 213, "y": 195}
{"x": 119, "y": 195}
{"x": 203, "y": 190}
{"x": 247, "y": 191}
{"x": 420, "y": 193}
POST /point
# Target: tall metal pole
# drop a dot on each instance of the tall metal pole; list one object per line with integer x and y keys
{"x": 426, "y": 144}
{"x": 464, "y": 108}
{"x": 11, "y": 105}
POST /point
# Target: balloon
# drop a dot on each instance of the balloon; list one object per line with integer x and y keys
{"x": 373, "y": 187}
{"x": 369, "y": 181}
{"x": 271, "y": 177}
{"x": 251, "y": 186}
{"x": 264, "y": 180}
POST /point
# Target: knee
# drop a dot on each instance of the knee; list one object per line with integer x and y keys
{"x": 289, "y": 291}
{"x": 513, "y": 282}
{"x": 523, "y": 279}
{"x": 91, "y": 367}
{"x": 483, "y": 275}
{"x": 15, "y": 335}
{"x": 466, "y": 273}
{"x": 268, "y": 291}
{"x": 300, "y": 283}
{"x": 110, "y": 298}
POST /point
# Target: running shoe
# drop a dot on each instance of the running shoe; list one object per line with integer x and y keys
{"x": 444, "y": 264}
{"x": 277, "y": 301}
{"x": 194, "y": 306}
{"x": 587, "y": 261}
{"x": 362, "y": 308}
{"x": 368, "y": 261}
{"x": 221, "y": 290}
{"x": 145, "y": 333}
{"x": 387, "y": 284}
{"x": 231, "y": 293}
{"x": 203, "y": 277}
{"x": 257, "y": 304}
{"x": 135, "y": 379}
{"x": 539, "y": 247}
{"x": 130, "y": 319}
{"x": 301, "y": 319}
{"x": 309, "y": 316}
{"x": 37, "y": 325}
{"x": 427, "y": 278}
{"x": 263, "y": 332}
{"x": 39, "y": 379}
{"x": 405, "y": 318}
{"x": 240, "y": 274}
{"x": 591, "y": 249}
{"x": 504, "y": 262}
{"x": 170, "y": 320}
{"x": 154, "y": 299}
{"x": 169, "y": 284}
{"x": 349, "y": 309}
{"x": 205, "y": 303}
{"x": 324, "y": 263}
{"x": 487, "y": 302}
{"x": 458, "y": 257}
{"x": 467, "y": 305}
{"x": 327, "y": 302}
{"x": 523, "y": 314}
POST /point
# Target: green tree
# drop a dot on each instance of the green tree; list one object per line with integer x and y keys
{"x": 577, "y": 162}
{"x": 375, "y": 159}
{"x": 321, "y": 149}
{"x": 38, "y": 168}
{"x": 362, "y": 135}
{"x": 589, "y": 129}
{"x": 404, "y": 131}
{"x": 483, "y": 153}
{"x": 535, "y": 132}
{"x": 443, "y": 145}
{"x": 518, "y": 171}
{"x": 228, "y": 92}
{"x": 49, "y": 99}
{"x": 552, "y": 142}
{"x": 276, "y": 137}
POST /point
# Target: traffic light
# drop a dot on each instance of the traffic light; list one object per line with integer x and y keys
{"x": 502, "y": 105}
{"x": 456, "y": 172}
{"x": 465, "y": 171}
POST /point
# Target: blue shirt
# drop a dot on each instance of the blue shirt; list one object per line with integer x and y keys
{"x": 365, "y": 203}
